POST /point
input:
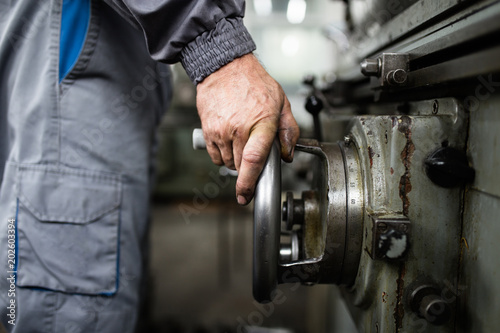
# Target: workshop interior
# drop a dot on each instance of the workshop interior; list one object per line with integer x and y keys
{"x": 387, "y": 220}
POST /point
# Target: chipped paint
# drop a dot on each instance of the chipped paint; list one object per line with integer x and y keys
{"x": 404, "y": 126}
{"x": 384, "y": 297}
{"x": 399, "y": 310}
{"x": 371, "y": 153}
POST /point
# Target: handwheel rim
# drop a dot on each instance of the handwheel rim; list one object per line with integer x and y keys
{"x": 266, "y": 234}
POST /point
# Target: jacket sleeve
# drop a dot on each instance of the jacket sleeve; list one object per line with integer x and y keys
{"x": 203, "y": 34}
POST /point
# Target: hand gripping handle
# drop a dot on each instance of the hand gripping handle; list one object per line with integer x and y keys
{"x": 266, "y": 222}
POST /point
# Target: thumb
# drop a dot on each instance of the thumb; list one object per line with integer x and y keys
{"x": 289, "y": 132}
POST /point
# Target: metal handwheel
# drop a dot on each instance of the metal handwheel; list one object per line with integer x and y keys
{"x": 267, "y": 219}
{"x": 324, "y": 226}
{"x": 266, "y": 224}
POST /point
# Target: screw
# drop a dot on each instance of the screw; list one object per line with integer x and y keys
{"x": 435, "y": 107}
{"x": 382, "y": 227}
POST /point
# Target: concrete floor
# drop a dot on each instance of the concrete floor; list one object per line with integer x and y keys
{"x": 201, "y": 274}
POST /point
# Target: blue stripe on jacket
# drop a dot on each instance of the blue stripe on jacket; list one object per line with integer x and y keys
{"x": 74, "y": 24}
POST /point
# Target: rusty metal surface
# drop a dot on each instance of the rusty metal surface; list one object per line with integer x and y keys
{"x": 392, "y": 152}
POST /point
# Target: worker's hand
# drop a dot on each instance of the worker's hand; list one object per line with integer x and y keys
{"x": 241, "y": 109}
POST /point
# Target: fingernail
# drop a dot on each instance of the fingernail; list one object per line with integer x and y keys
{"x": 292, "y": 150}
{"x": 241, "y": 200}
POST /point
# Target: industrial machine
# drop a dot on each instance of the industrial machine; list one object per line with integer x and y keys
{"x": 403, "y": 209}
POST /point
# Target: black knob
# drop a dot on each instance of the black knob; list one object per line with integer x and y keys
{"x": 448, "y": 167}
{"x": 314, "y": 105}
{"x": 426, "y": 302}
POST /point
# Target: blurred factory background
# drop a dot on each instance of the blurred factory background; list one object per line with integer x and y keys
{"x": 201, "y": 240}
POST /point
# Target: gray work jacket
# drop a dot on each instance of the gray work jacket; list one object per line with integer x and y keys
{"x": 203, "y": 34}
{"x": 76, "y": 150}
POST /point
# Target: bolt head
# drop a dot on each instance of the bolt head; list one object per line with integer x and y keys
{"x": 397, "y": 77}
{"x": 370, "y": 67}
{"x": 382, "y": 227}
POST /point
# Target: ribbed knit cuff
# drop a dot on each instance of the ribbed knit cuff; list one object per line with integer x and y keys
{"x": 216, "y": 48}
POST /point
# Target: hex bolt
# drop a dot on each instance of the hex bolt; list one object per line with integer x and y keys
{"x": 371, "y": 67}
{"x": 397, "y": 77}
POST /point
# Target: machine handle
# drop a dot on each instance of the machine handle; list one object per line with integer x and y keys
{"x": 266, "y": 218}
{"x": 198, "y": 139}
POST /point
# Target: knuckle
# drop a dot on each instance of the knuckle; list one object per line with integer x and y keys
{"x": 217, "y": 161}
{"x": 229, "y": 163}
{"x": 254, "y": 159}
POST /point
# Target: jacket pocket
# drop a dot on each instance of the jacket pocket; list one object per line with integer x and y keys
{"x": 68, "y": 229}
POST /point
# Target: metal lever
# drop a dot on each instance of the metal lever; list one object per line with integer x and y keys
{"x": 267, "y": 216}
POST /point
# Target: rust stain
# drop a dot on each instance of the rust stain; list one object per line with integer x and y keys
{"x": 392, "y": 171}
{"x": 371, "y": 153}
{"x": 384, "y": 297}
{"x": 404, "y": 126}
{"x": 399, "y": 310}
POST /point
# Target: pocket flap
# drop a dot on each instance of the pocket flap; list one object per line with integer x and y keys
{"x": 68, "y": 195}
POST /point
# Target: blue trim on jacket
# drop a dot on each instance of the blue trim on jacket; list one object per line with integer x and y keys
{"x": 74, "y": 24}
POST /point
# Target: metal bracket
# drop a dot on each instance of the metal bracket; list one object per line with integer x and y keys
{"x": 391, "y": 69}
{"x": 390, "y": 238}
